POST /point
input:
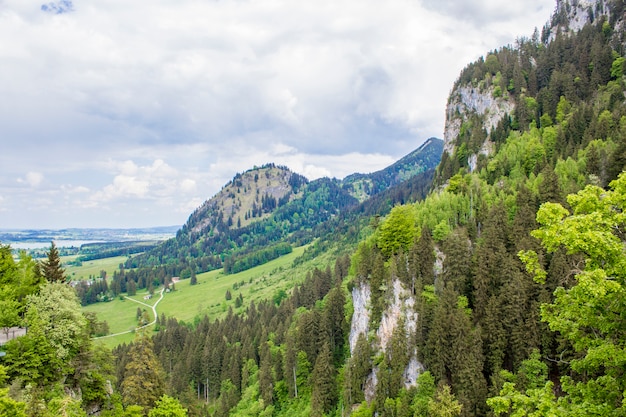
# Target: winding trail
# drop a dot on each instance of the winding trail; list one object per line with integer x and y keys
{"x": 154, "y": 311}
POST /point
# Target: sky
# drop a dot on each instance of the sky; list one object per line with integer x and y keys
{"x": 117, "y": 113}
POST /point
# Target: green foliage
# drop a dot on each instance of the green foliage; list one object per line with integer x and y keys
{"x": 9, "y": 407}
{"x": 323, "y": 395}
{"x": 143, "y": 381}
{"x": 424, "y": 394}
{"x": 444, "y": 404}
{"x": 167, "y": 406}
{"x": 397, "y": 232}
{"x": 589, "y": 314}
{"x": 65, "y": 407}
{"x": 51, "y": 268}
{"x": 64, "y": 325}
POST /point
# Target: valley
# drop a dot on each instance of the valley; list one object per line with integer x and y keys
{"x": 479, "y": 275}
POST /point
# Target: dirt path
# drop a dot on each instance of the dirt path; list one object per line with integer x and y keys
{"x": 154, "y": 311}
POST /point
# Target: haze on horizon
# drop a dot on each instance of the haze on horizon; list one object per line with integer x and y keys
{"x": 131, "y": 114}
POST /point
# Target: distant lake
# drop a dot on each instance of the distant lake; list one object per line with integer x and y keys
{"x": 43, "y": 245}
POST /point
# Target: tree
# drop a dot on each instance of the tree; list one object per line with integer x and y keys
{"x": 10, "y": 407}
{"x": 444, "y": 404}
{"x": 590, "y": 314}
{"x": 65, "y": 406}
{"x": 51, "y": 268}
{"x": 61, "y": 316}
{"x": 9, "y": 316}
{"x": 357, "y": 369}
{"x": 194, "y": 278}
{"x": 323, "y": 396}
{"x": 398, "y": 230}
{"x": 143, "y": 382}
{"x": 32, "y": 357}
{"x": 167, "y": 406}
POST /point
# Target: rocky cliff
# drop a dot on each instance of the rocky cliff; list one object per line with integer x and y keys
{"x": 400, "y": 311}
{"x": 497, "y": 90}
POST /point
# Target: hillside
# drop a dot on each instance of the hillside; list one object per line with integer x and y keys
{"x": 364, "y": 186}
{"x": 499, "y": 293}
{"x": 260, "y": 211}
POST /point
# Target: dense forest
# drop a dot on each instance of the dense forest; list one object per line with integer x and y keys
{"x": 323, "y": 210}
{"x": 499, "y": 293}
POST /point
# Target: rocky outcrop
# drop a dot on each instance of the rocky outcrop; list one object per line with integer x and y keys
{"x": 361, "y": 295}
{"x": 466, "y": 101}
{"x": 571, "y": 16}
{"x": 401, "y": 309}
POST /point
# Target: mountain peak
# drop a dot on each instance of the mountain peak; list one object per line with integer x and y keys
{"x": 249, "y": 196}
{"x": 570, "y": 16}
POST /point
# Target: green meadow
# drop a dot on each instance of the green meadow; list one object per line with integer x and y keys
{"x": 208, "y": 297}
{"x": 93, "y": 268}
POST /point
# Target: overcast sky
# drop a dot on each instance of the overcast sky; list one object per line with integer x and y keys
{"x": 117, "y": 113}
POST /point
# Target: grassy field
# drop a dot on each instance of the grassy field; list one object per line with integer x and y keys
{"x": 93, "y": 267}
{"x": 208, "y": 297}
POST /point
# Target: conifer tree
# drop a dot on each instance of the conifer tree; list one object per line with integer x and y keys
{"x": 358, "y": 368}
{"x": 51, "y": 268}
{"x": 323, "y": 396}
{"x": 334, "y": 317}
{"x": 456, "y": 269}
{"x": 266, "y": 379}
{"x": 143, "y": 383}
{"x": 423, "y": 257}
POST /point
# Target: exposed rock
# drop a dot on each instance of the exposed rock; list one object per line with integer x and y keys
{"x": 413, "y": 370}
{"x": 468, "y": 100}
{"x": 401, "y": 307}
{"x": 572, "y": 15}
{"x": 361, "y": 295}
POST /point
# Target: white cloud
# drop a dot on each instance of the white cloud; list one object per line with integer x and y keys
{"x": 32, "y": 179}
{"x": 188, "y": 185}
{"x": 156, "y": 103}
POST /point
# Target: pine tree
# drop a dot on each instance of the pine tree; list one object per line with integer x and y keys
{"x": 194, "y": 279}
{"x": 335, "y": 319}
{"x": 266, "y": 379}
{"x": 456, "y": 269}
{"x": 358, "y": 368}
{"x": 143, "y": 382}
{"x": 51, "y": 268}
{"x": 423, "y": 257}
{"x": 323, "y": 397}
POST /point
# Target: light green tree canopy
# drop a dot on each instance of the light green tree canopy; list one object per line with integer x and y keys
{"x": 167, "y": 406}
{"x": 59, "y": 311}
{"x": 592, "y": 313}
{"x": 398, "y": 230}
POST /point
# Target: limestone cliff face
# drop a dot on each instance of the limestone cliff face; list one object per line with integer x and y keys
{"x": 467, "y": 101}
{"x": 402, "y": 306}
{"x": 482, "y": 104}
{"x": 571, "y": 16}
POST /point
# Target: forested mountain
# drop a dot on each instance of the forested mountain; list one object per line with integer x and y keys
{"x": 263, "y": 212}
{"x": 364, "y": 186}
{"x": 500, "y": 293}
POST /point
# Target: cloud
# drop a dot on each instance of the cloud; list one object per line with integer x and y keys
{"x": 151, "y": 105}
{"x": 32, "y": 179}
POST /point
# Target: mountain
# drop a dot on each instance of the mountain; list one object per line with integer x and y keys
{"x": 505, "y": 291}
{"x": 501, "y": 292}
{"x": 265, "y": 207}
{"x": 364, "y": 186}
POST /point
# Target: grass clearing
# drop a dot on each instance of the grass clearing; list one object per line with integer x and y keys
{"x": 94, "y": 267}
{"x": 188, "y": 302}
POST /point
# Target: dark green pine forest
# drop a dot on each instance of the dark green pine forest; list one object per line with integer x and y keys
{"x": 490, "y": 283}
